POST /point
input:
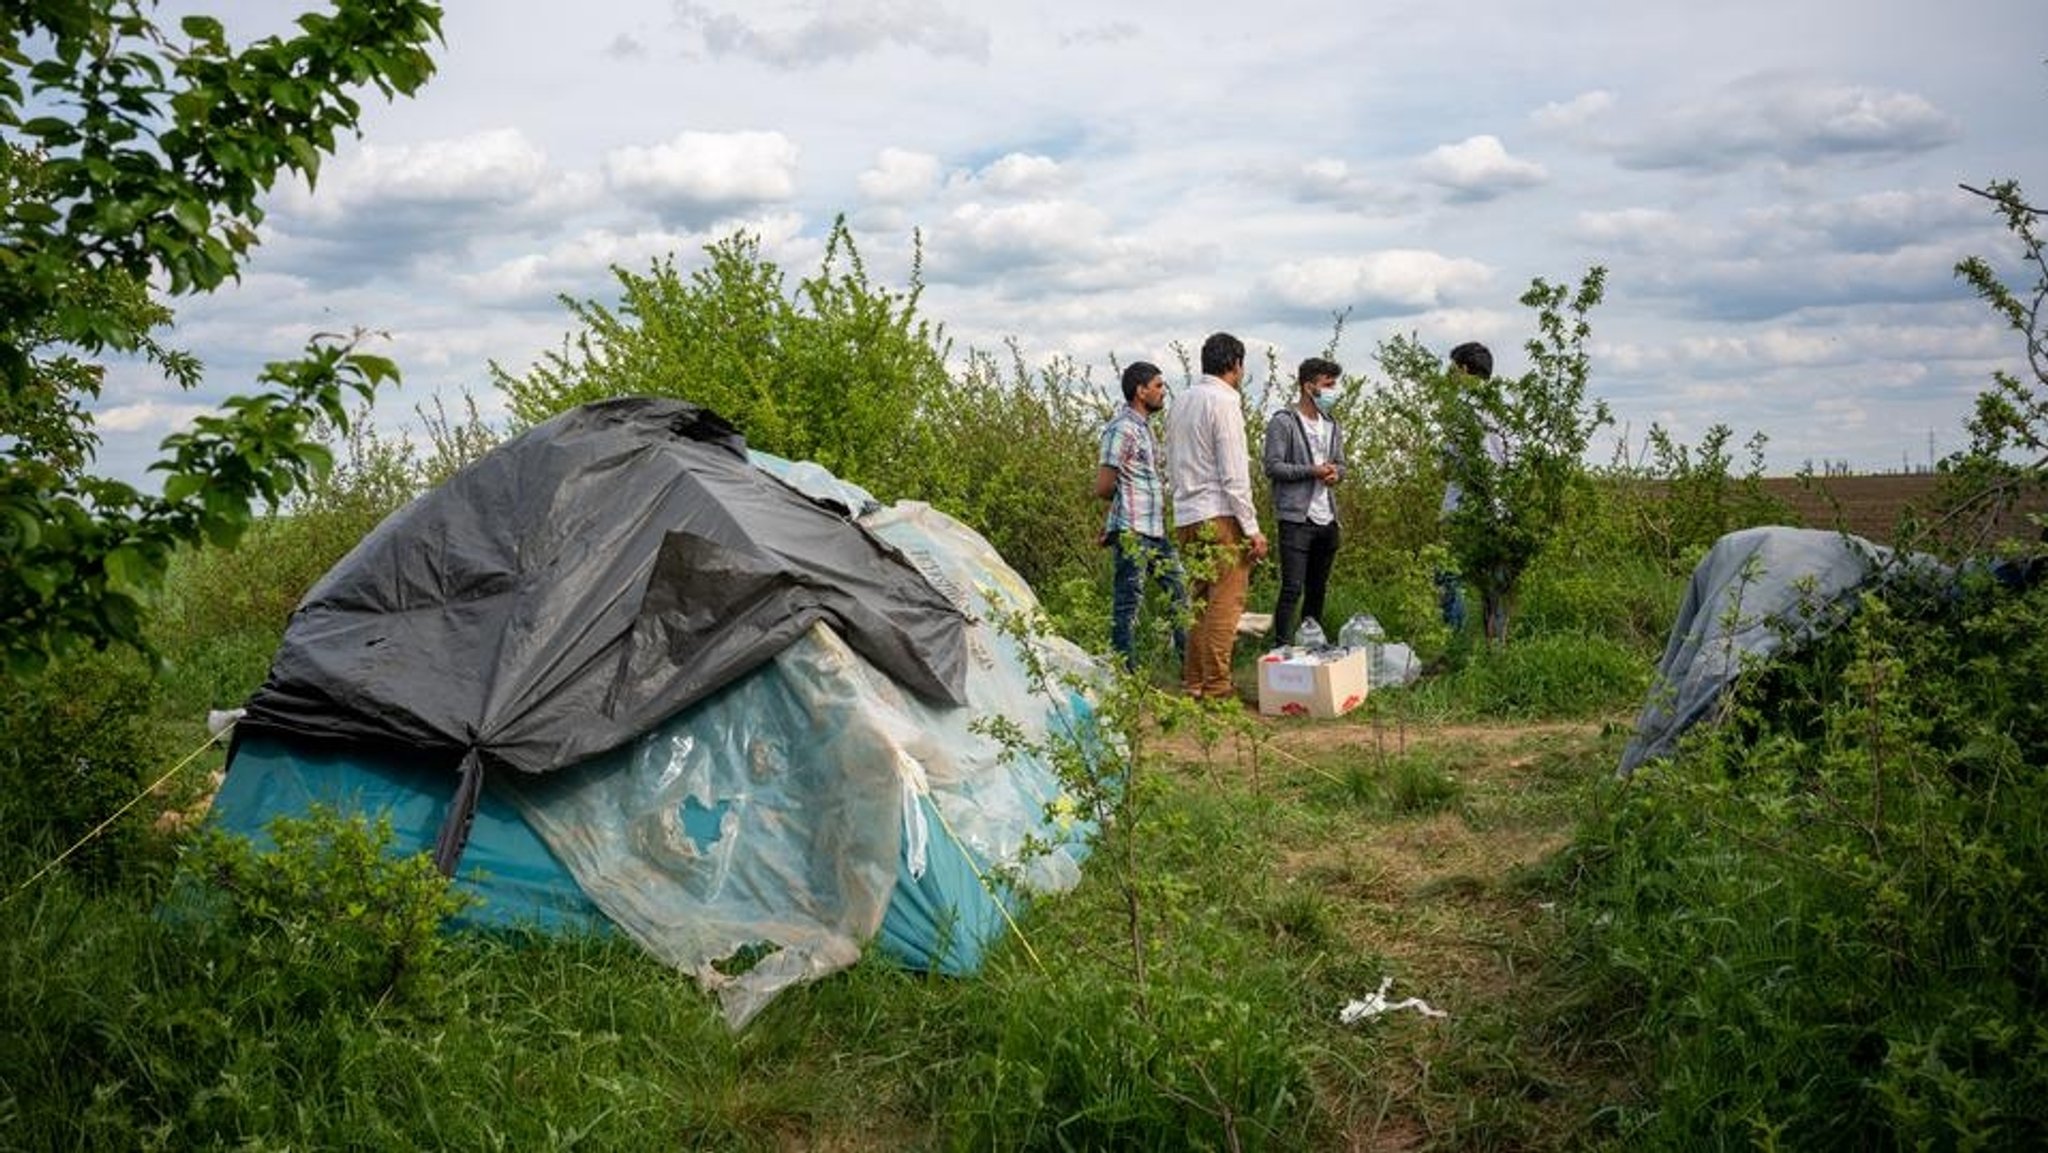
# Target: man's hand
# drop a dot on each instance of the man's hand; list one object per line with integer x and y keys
{"x": 1327, "y": 472}
{"x": 1258, "y": 543}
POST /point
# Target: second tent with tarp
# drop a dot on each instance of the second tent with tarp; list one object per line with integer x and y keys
{"x": 622, "y": 671}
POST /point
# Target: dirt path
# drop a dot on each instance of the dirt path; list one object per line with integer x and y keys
{"x": 1419, "y": 840}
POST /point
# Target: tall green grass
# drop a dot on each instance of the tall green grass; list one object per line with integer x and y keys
{"x": 1822, "y": 926}
{"x": 274, "y": 1021}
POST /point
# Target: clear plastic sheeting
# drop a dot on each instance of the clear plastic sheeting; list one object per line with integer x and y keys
{"x": 1393, "y": 664}
{"x": 817, "y": 482}
{"x": 764, "y": 836}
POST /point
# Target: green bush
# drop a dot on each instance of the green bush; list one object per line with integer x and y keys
{"x": 1683, "y": 498}
{"x": 838, "y": 369}
{"x": 1627, "y": 598}
{"x": 1829, "y": 910}
{"x": 328, "y": 913}
{"x": 1012, "y": 454}
{"x": 130, "y": 1030}
{"x": 76, "y": 744}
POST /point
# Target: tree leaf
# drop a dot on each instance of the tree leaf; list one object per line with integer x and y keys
{"x": 203, "y": 28}
{"x": 182, "y": 486}
{"x": 191, "y": 214}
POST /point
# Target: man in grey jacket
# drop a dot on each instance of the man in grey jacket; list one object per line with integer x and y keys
{"x": 1304, "y": 458}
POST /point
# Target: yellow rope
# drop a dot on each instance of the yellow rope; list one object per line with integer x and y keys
{"x": 1319, "y": 771}
{"x": 985, "y": 883}
{"x": 118, "y": 813}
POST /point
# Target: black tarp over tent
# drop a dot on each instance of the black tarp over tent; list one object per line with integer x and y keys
{"x": 581, "y": 584}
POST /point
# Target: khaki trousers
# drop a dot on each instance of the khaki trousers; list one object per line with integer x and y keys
{"x": 1219, "y": 602}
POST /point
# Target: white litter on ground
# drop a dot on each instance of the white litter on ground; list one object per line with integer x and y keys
{"x": 1377, "y": 1004}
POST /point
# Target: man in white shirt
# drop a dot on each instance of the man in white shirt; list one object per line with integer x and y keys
{"x": 1209, "y": 467}
{"x": 1474, "y": 360}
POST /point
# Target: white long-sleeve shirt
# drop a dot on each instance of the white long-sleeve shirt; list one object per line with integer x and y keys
{"x": 1206, "y": 458}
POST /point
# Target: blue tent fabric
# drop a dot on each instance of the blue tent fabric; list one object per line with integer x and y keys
{"x": 1756, "y": 591}
{"x": 514, "y": 879}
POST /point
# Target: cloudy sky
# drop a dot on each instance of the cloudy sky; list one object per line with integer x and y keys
{"x": 1772, "y": 186}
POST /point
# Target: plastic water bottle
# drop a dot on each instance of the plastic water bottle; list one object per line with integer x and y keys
{"x": 1310, "y": 635}
{"x": 1352, "y": 635}
{"x": 1363, "y": 634}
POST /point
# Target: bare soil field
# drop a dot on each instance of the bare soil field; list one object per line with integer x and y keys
{"x": 1869, "y": 506}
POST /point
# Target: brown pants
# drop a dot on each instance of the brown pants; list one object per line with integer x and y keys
{"x": 1219, "y": 602}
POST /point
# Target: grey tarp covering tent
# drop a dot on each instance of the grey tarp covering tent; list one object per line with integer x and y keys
{"x": 582, "y": 583}
{"x": 1756, "y": 591}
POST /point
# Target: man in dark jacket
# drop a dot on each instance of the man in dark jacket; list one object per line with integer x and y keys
{"x": 1304, "y": 458}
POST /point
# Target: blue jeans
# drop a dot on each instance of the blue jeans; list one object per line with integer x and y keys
{"x": 1139, "y": 557}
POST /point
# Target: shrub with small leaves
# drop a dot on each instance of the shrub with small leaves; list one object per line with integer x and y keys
{"x": 331, "y": 912}
{"x": 75, "y": 745}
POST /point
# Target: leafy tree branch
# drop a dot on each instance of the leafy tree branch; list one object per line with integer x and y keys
{"x": 132, "y": 163}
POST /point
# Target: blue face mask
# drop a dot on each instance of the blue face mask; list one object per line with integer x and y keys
{"x": 1326, "y": 400}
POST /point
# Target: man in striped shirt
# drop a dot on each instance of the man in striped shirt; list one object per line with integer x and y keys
{"x": 1128, "y": 476}
{"x": 1209, "y": 465}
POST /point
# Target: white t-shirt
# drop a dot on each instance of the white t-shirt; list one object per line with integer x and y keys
{"x": 1320, "y": 509}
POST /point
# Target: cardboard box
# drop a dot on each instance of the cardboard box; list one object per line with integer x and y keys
{"x": 1322, "y": 685}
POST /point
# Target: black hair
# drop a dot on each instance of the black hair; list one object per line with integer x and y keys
{"x": 1315, "y": 368}
{"x": 1473, "y": 357}
{"x": 1139, "y": 374}
{"x": 1221, "y": 353}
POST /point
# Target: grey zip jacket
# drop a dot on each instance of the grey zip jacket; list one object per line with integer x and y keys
{"x": 1290, "y": 463}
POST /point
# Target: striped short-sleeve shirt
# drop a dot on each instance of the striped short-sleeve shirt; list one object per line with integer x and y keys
{"x": 1140, "y": 501}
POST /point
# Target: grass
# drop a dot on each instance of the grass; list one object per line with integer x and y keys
{"x": 1283, "y": 896}
{"x": 1288, "y": 867}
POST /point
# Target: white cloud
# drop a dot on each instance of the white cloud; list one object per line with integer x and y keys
{"x": 581, "y": 263}
{"x": 149, "y": 416}
{"x": 1084, "y": 179}
{"x": 696, "y": 172}
{"x": 842, "y": 31}
{"x": 1329, "y": 180}
{"x": 1648, "y": 231}
{"x": 1378, "y": 284}
{"x": 1574, "y": 113}
{"x": 1019, "y": 173}
{"x": 1478, "y": 168}
{"x": 1790, "y": 121}
{"x": 900, "y": 176}
{"x": 1105, "y": 32}
{"x": 1872, "y": 222}
{"x": 496, "y": 166}
{"x": 1032, "y": 232}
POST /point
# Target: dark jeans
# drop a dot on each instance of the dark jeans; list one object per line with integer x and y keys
{"x": 1450, "y": 599}
{"x": 1139, "y": 557}
{"x": 1306, "y": 553}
